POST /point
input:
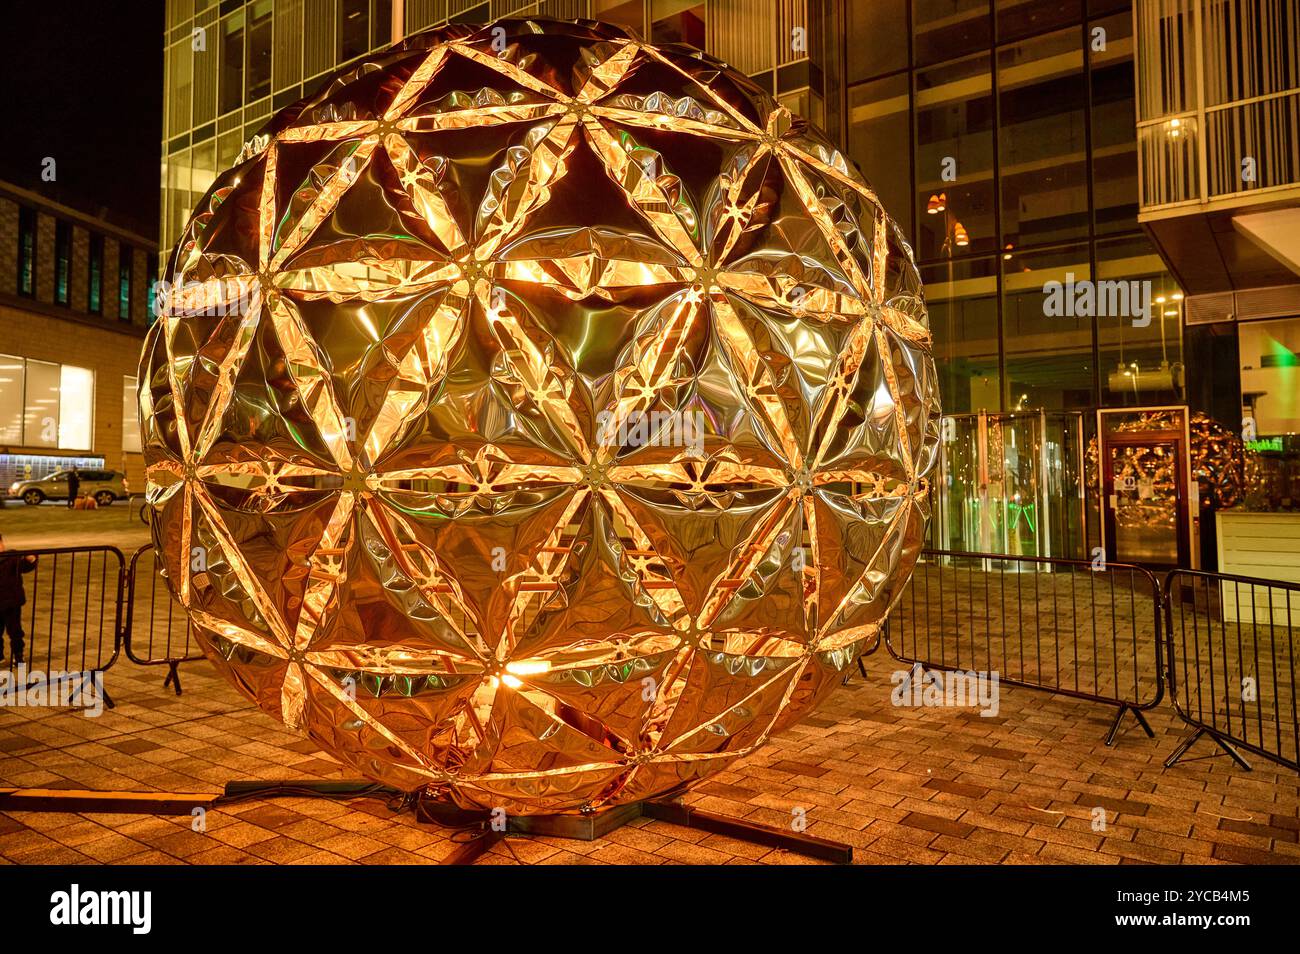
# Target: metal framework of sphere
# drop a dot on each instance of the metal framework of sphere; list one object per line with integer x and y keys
{"x": 538, "y": 417}
{"x": 1220, "y": 464}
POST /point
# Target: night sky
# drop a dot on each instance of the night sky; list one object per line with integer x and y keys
{"x": 83, "y": 84}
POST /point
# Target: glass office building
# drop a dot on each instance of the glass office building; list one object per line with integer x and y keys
{"x": 230, "y": 64}
{"x": 1011, "y": 140}
{"x": 1001, "y": 134}
{"x": 1218, "y": 117}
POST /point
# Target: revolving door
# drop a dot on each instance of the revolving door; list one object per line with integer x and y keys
{"x": 1012, "y": 483}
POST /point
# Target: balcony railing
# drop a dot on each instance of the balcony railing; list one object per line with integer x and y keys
{"x": 1218, "y": 90}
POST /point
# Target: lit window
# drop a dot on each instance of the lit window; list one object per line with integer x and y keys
{"x": 76, "y": 406}
{"x": 11, "y": 399}
{"x": 41, "y": 405}
{"x": 26, "y": 251}
{"x": 62, "y": 261}
{"x": 53, "y": 403}
{"x": 124, "y": 283}
{"x": 130, "y": 418}
{"x": 96, "y": 275}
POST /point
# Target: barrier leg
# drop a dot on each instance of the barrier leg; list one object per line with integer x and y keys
{"x": 173, "y": 677}
{"x": 1119, "y": 716}
{"x": 1219, "y": 741}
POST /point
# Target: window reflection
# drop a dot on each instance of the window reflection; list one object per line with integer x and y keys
{"x": 259, "y": 50}
{"x": 677, "y": 21}
{"x": 962, "y": 297}
{"x": 125, "y": 254}
{"x": 95, "y": 275}
{"x": 1049, "y": 360}
{"x": 630, "y": 13}
{"x": 1020, "y": 18}
{"x": 231, "y": 87}
{"x": 1042, "y": 140}
{"x": 1114, "y": 117}
{"x": 1141, "y": 361}
{"x": 879, "y": 121}
{"x": 954, "y": 160}
{"x": 62, "y": 261}
{"x": 26, "y": 251}
{"x": 943, "y": 29}
{"x": 877, "y": 29}
{"x": 354, "y": 28}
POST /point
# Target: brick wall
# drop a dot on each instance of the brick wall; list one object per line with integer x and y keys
{"x": 44, "y": 258}
{"x": 111, "y": 352}
{"x": 140, "y": 303}
{"x": 69, "y": 334}
{"x": 8, "y": 245}
{"x": 79, "y": 299}
{"x": 110, "y": 279}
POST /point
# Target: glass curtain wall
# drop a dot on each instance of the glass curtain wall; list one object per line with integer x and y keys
{"x": 1001, "y": 135}
{"x": 230, "y": 64}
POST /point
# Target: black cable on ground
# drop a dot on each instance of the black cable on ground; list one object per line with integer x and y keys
{"x": 290, "y": 790}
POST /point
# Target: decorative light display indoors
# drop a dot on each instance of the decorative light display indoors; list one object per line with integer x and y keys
{"x": 538, "y": 417}
{"x": 1224, "y": 470}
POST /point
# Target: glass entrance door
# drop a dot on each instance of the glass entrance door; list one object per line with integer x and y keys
{"x": 1145, "y": 503}
{"x": 1145, "y": 493}
{"x": 1011, "y": 483}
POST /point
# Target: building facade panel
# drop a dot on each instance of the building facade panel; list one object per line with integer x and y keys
{"x": 111, "y": 251}
{"x": 44, "y": 258}
{"x": 1218, "y": 127}
{"x": 64, "y": 367}
{"x": 80, "y": 264}
{"x": 9, "y": 239}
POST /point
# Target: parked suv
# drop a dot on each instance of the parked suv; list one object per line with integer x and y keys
{"x": 104, "y": 485}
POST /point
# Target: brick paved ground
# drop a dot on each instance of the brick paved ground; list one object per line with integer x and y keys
{"x": 1096, "y": 632}
{"x": 927, "y": 786}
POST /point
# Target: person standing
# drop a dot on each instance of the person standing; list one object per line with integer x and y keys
{"x": 12, "y": 597}
{"x": 74, "y": 487}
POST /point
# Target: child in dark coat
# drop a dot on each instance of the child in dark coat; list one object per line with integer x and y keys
{"x": 12, "y": 597}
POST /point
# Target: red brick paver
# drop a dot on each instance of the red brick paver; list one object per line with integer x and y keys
{"x": 902, "y": 785}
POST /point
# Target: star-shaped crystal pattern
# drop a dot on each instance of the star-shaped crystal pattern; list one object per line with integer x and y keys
{"x": 539, "y": 417}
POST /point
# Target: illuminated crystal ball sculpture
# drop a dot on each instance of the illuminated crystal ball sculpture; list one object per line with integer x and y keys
{"x": 538, "y": 417}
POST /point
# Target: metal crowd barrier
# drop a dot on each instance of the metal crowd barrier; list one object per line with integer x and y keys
{"x": 157, "y": 629}
{"x": 1069, "y": 627}
{"x": 1112, "y": 634}
{"x": 72, "y": 616}
{"x": 1232, "y": 651}
{"x": 88, "y": 606}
